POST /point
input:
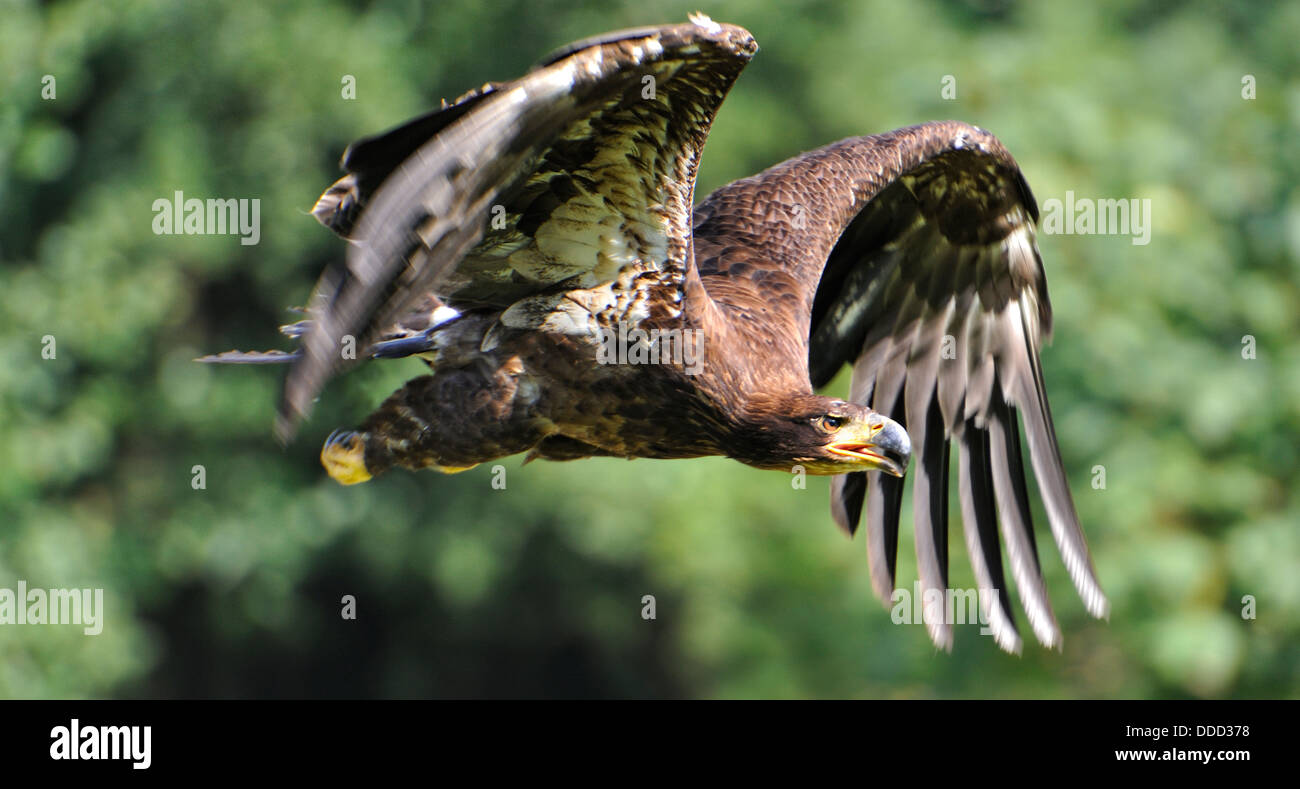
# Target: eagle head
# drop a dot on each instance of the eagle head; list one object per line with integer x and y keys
{"x": 822, "y": 435}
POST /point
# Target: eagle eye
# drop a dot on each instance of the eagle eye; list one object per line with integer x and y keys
{"x": 831, "y": 423}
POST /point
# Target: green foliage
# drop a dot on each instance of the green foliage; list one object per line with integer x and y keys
{"x": 463, "y": 590}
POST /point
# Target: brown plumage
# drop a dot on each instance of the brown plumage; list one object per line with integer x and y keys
{"x": 534, "y": 242}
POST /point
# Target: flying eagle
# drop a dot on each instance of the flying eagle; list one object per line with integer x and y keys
{"x": 511, "y": 238}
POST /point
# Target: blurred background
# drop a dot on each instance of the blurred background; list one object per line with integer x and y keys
{"x": 234, "y": 590}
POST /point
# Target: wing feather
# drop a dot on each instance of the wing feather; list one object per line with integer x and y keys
{"x": 1017, "y": 523}
{"x": 885, "y": 493}
{"x": 980, "y": 524}
{"x": 930, "y": 506}
{"x": 589, "y": 176}
{"x": 923, "y": 273}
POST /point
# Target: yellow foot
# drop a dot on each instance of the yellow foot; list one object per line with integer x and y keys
{"x": 344, "y": 457}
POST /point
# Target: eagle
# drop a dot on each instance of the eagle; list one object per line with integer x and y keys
{"x": 536, "y": 243}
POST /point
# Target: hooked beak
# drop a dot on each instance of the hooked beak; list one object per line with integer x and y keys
{"x": 884, "y": 447}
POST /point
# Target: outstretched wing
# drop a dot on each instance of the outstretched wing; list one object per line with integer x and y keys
{"x": 914, "y": 260}
{"x": 562, "y": 195}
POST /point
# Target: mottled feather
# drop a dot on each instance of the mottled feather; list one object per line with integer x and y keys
{"x": 580, "y": 165}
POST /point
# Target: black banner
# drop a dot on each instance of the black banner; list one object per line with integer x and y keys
{"x": 130, "y": 739}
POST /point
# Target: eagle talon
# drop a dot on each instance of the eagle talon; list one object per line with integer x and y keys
{"x": 344, "y": 457}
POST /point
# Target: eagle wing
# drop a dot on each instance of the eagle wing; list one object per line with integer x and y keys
{"x": 914, "y": 259}
{"x": 563, "y": 197}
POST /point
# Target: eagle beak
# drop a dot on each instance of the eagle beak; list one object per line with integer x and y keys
{"x": 880, "y": 447}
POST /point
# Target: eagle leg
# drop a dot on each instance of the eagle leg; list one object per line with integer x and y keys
{"x": 450, "y": 421}
{"x": 344, "y": 458}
